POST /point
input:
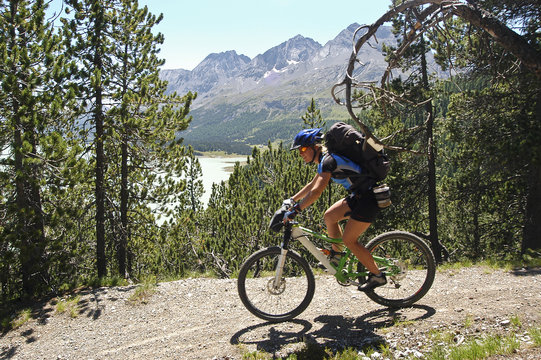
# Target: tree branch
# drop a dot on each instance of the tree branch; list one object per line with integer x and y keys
{"x": 428, "y": 18}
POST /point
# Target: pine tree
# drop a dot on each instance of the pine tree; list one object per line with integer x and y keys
{"x": 525, "y": 14}
{"x": 312, "y": 118}
{"x": 135, "y": 124}
{"x": 34, "y": 140}
{"x": 89, "y": 32}
{"x": 194, "y": 184}
{"x": 511, "y": 92}
{"x": 146, "y": 120}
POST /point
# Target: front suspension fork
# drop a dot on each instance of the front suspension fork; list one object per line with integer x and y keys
{"x": 280, "y": 269}
{"x": 282, "y": 258}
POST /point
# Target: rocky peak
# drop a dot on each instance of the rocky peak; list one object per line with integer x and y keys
{"x": 221, "y": 64}
{"x": 291, "y": 52}
{"x": 291, "y": 67}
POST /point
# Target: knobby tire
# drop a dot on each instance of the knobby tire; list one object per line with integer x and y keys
{"x": 418, "y": 263}
{"x": 275, "y": 305}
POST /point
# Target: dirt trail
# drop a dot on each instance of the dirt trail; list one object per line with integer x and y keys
{"x": 204, "y": 319}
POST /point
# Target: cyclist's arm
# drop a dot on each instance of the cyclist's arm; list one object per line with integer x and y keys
{"x": 305, "y": 190}
{"x": 312, "y": 191}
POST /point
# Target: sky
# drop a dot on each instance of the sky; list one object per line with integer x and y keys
{"x": 194, "y": 29}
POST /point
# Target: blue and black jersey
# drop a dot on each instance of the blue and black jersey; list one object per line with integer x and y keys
{"x": 343, "y": 171}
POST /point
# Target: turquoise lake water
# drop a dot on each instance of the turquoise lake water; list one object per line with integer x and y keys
{"x": 216, "y": 170}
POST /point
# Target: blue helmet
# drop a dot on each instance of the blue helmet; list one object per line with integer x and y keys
{"x": 307, "y": 137}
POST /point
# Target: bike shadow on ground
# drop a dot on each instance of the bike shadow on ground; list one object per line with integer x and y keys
{"x": 527, "y": 271}
{"x": 335, "y": 332}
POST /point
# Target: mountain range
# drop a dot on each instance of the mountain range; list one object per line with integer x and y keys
{"x": 243, "y": 102}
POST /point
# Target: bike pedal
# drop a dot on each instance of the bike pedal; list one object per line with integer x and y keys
{"x": 325, "y": 251}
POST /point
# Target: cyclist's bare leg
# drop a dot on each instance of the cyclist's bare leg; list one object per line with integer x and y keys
{"x": 332, "y": 217}
{"x": 351, "y": 233}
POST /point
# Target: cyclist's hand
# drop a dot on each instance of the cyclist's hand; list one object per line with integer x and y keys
{"x": 290, "y": 215}
{"x": 288, "y": 202}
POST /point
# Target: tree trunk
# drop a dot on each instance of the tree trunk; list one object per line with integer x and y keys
{"x": 123, "y": 211}
{"x": 30, "y": 223}
{"x": 506, "y": 37}
{"x": 101, "y": 260}
{"x": 476, "y": 246}
{"x": 29, "y": 228}
{"x": 531, "y": 238}
{"x": 431, "y": 159}
{"x": 432, "y": 197}
{"x": 532, "y": 226}
{"x": 100, "y": 190}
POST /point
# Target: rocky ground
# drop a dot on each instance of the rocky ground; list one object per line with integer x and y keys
{"x": 204, "y": 319}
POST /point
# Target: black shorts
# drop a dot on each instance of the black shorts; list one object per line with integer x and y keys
{"x": 363, "y": 208}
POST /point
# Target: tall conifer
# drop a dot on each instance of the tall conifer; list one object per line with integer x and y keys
{"x": 145, "y": 119}
{"x": 90, "y": 31}
{"x": 138, "y": 158}
{"x": 32, "y": 74}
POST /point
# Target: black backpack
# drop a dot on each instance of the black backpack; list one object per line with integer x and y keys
{"x": 345, "y": 140}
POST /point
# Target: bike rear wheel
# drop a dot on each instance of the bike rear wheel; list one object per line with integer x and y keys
{"x": 275, "y": 303}
{"x": 417, "y": 267}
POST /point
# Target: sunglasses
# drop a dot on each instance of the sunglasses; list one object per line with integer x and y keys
{"x": 303, "y": 149}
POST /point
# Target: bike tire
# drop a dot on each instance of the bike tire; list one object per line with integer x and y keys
{"x": 418, "y": 265}
{"x": 275, "y": 305}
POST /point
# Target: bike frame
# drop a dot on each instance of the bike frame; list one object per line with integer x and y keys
{"x": 344, "y": 272}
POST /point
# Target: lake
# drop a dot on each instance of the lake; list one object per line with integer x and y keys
{"x": 216, "y": 170}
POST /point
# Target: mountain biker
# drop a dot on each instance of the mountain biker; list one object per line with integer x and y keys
{"x": 359, "y": 207}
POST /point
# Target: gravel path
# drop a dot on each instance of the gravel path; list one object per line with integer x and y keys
{"x": 204, "y": 319}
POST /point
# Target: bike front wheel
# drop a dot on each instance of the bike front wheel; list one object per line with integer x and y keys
{"x": 412, "y": 271}
{"x": 273, "y": 300}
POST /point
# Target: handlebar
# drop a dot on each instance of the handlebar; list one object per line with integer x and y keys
{"x": 277, "y": 220}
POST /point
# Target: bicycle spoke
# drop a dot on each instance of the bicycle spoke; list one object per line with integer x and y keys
{"x": 412, "y": 272}
{"x": 270, "y": 300}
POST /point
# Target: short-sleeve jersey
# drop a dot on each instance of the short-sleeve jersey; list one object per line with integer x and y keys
{"x": 343, "y": 171}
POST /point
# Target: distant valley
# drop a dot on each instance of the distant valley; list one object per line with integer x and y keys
{"x": 244, "y": 102}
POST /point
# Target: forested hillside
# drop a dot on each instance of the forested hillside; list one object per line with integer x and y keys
{"x": 95, "y": 183}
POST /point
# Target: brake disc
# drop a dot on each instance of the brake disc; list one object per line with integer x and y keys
{"x": 276, "y": 290}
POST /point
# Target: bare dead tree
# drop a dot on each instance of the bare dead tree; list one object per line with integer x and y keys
{"x": 430, "y": 17}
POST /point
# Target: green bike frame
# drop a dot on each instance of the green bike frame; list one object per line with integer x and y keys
{"x": 345, "y": 272}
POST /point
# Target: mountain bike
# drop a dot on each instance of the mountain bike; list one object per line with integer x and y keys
{"x": 277, "y": 284}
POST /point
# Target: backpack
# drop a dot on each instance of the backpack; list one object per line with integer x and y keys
{"x": 345, "y": 140}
